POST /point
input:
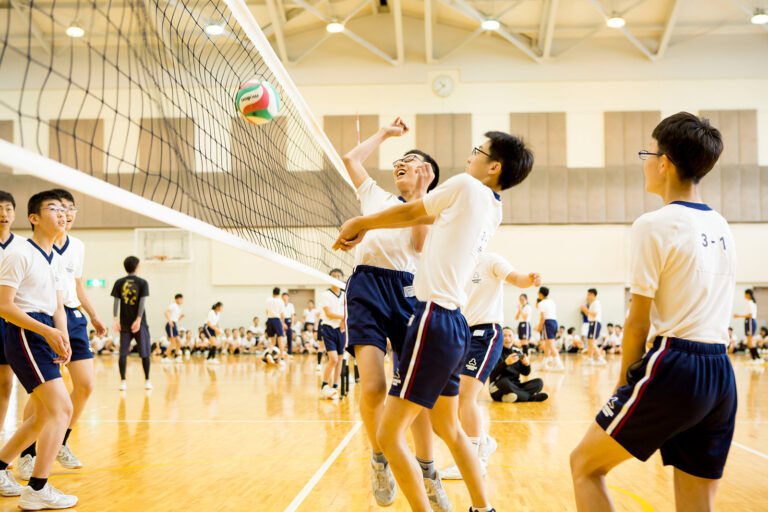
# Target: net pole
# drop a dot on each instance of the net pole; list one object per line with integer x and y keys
{"x": 42, "y": 167}
{"x": 251, "y": 28}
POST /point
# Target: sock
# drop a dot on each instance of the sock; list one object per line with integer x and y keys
{"x": 37, "y": 483}
{"x": 4, "y": 465}
{"x": 122, "y": 363}
{"x": 376, "y": 457}
{"x": 30, "y": 450}
{"x": 319, "y": 357}
{"x": 753, "y": 353}
{"x": 357, "y": 373}
{"x": 66, "y": 436}
{"x": 335, "y": 386}
{"x": 145, "y": 365}
{"x": 427, "y": 468}
{"x": 323, "y": 385}
{"x": 212, "y": 353}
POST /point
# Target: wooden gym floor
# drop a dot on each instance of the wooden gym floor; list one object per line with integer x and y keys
{"x": 240, "y": 436}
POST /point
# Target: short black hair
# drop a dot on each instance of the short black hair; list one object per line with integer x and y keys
{"x": 571, "y": 330}
{"x": 515, "y": 158}
{"x": 35, "y": 202}
{"x": 286, "y": 293}
{"x": 336, "y": 270}
{"x": 130, "y": 264}
{"x": 7, "y": 197}
{"x": 431, "y": 161}
{"x": 64, "y": 195}
{"x": 275, "y": 291}
{"x": 506, "y": 327}
{"x": 593, "y": 291}
{"x": 609, "y": 325}
{"x": 178, "y": 296}
{"x": 525, "y": 295}
{"x": 544, "y": 291}
{"x": 764, "y": 331}
{"x": 690, "y": 143}
{"x": 216, "y": 305}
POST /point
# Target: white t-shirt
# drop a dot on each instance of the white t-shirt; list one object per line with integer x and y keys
{"x": 71, "y": 258}
{"x": 752, "y": 309}
{"x": 467, "y": 215}
{"x": 683, "y": 257}
{"x": 275, "y": 307}
{"x": 213, "y": 318}
{"x": 174, "y": 312}
{"x": 596, "y": 309}
{"x": 335, "y": 304}
{"x": 258, "y": 331}
{"x": 485, "y": 291}
{"x": 310, "y": 315}
{"x": 34, "y": 275}
{"x": 289, "y": 311}
{"x": 526, "y": 313}
{"x": 384, "y": 248}
{"x": 12, "y": 242}
{"x": 548, "y": 308}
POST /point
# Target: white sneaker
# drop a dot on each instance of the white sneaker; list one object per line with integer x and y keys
{"x": 25, "y": 466}
{"x": 46, "y": 498}
{"x": 451, "y": 473}
{"x": 179, "y": 359}
{"x": 123, "y": 385}
{"x": 326, "y": 391}
{"x": 166, "y": 360}
{"x": 281, "y": 363}
{"x": 383, "y": 484}
{"x": 67, "y": 459}
{"x": 212, "y": 361}
{"x": 487, "y": 448}
{"x": 437, "y": 496}
{"x": 9, "y": 486}
{"x": 319, "y": 368}
{"x": 148, "y": 385}
{"x": 559, "y": 366}
{"x": 599, "y": 362}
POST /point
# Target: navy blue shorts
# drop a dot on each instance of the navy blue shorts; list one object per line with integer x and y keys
{"x": 274, "y": 328}
{"x": 549, "y": 330}
{"x": 142, "y": 340}
{"x": 681, "y": 399}
{"x": 208, "y": 332}
{"x": 77, "y": 325}
{"x": 433, "y": 355}
{"x": 524, "y": 330}
{"x": 172, "y": 331}
{"x": 3, "y": 360}
{"x": 484, "y": 351}
{"x": 379, "y": 304}
{"x": 594, "y": 330}
{"x": 30, "y": 356}
{"x": 750, "y": 326}
{"x": 331, "y": 336}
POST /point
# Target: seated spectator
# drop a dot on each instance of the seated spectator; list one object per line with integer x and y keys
{"x": 573, "y": 343}
{"x": 611, "y": 344}
{"x": 505, "y": 385}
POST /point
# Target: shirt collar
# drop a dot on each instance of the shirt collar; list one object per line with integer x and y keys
{"x": 63, "y": 247}
{"x": 5, "y": 245}
{"x": 696, "y": 206}
{"x": 48, "y": 257}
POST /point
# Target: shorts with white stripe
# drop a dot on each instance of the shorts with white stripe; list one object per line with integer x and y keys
{"x": 433, "y": 353}
{"x": 30, "y": 356}
{"x": 750, "y": 327}
{"x": 484, "y": 351}
{"x": 681, "y": 399}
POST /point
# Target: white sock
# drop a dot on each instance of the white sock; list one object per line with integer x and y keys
{"x": 477, "y": 441}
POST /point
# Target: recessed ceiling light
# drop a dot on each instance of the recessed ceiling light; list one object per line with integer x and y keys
{"x": 74, "y": 30}
{"x": 760, "y": 17}
{"x": 214, "y": 29}
{"x": 491, "y": 25}
{"x": 334, "y": 27}
{"x": 615, "y": 21}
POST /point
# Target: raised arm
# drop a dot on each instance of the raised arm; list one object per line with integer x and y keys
{"x": 353, "y": 160}
{"x": 523, "y": 281}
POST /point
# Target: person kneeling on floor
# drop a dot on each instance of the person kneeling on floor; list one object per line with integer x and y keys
{"x": 505, "y": 385}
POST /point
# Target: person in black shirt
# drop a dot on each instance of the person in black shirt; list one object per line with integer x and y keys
{"x": 505, "y": 383}
{"x": 130, "y": 293}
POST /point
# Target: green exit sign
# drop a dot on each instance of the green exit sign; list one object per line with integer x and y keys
{"x": 95, "y": 283}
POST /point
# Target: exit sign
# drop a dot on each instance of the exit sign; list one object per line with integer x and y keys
{"x": 95, "y": 283}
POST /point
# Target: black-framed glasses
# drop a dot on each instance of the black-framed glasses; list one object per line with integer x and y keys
{"x": 406, "y": 159}
{"x": 643, "y": 155}
{"x": 477, "y": 150}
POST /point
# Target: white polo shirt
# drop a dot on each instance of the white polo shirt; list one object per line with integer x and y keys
{"x": 467, "y": 214}
{"x": 275, "y": 307}
{"x": 174, "y": 312}
{"x": 485, "y": 291}
{"x": 35, "y": 276}
{"x": 683, "y": 257}
{"x": 548, "y": 309}
{"x": 335, "y": 304}
{"x": 12, "y": 242}
{"x": 71, "y": 258}
{"x": 289, "y": 310}
{"x": 752, "y": 309}
{"x": 213, "y": 318}
{"x": 310, "y": 316}
{"x": 526, "y": 313}
{"x": 596, "y": 309}
{"x": 384, "y": 248}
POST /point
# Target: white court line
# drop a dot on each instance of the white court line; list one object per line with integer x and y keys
{"x": 750, "y": 450}
{"x": 320, "y": 472}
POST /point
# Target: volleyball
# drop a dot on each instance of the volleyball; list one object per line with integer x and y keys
{"x": 257, "y": 101}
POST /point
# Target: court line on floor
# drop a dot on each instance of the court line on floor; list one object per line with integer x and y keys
{"x": 750, "y": 450}
{"x": 321, "y": 471}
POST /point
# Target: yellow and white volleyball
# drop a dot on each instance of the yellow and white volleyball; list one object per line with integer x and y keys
{"x": 257, "y": 101}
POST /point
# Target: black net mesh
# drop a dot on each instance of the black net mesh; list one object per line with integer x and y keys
{"x": 145, "y": 100}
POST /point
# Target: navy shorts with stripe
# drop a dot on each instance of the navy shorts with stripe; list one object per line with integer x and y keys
{"x": 750, "y": 327}
{"x": 549, "y": 330}
{"x": 208, "y": 332}
{"x": 594, "y": 330}
{"x": 77, "y": 325}
{"x": 274, "y": 328}
{"x": 30, "y": 356}
{"x": 3, "y": 360}
{"x": 524, "y": 330}
{"x": 484, "y": 351}
{"x": 432, "y": 356}
{"x": 172, "y": 331}
{"x": 333, "y": 339}
{"x": 142, "y": 340}
{"x": 379, "y": 304}
{"x": 681, "y": 399}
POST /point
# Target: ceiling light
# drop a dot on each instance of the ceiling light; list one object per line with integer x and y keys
{"x": 491, "y": 25}
{"x": 760, "y": 17}
{"x": 214, "y": 29}
{"x": 615, "y": 21}
{"x": 74, "y": 30}
{"x": 334, "y": 27}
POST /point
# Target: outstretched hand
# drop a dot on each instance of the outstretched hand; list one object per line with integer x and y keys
{"x": 396, "y": 129}
{"x": 535, "y": 279}
{"x": 350, "y": 234}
